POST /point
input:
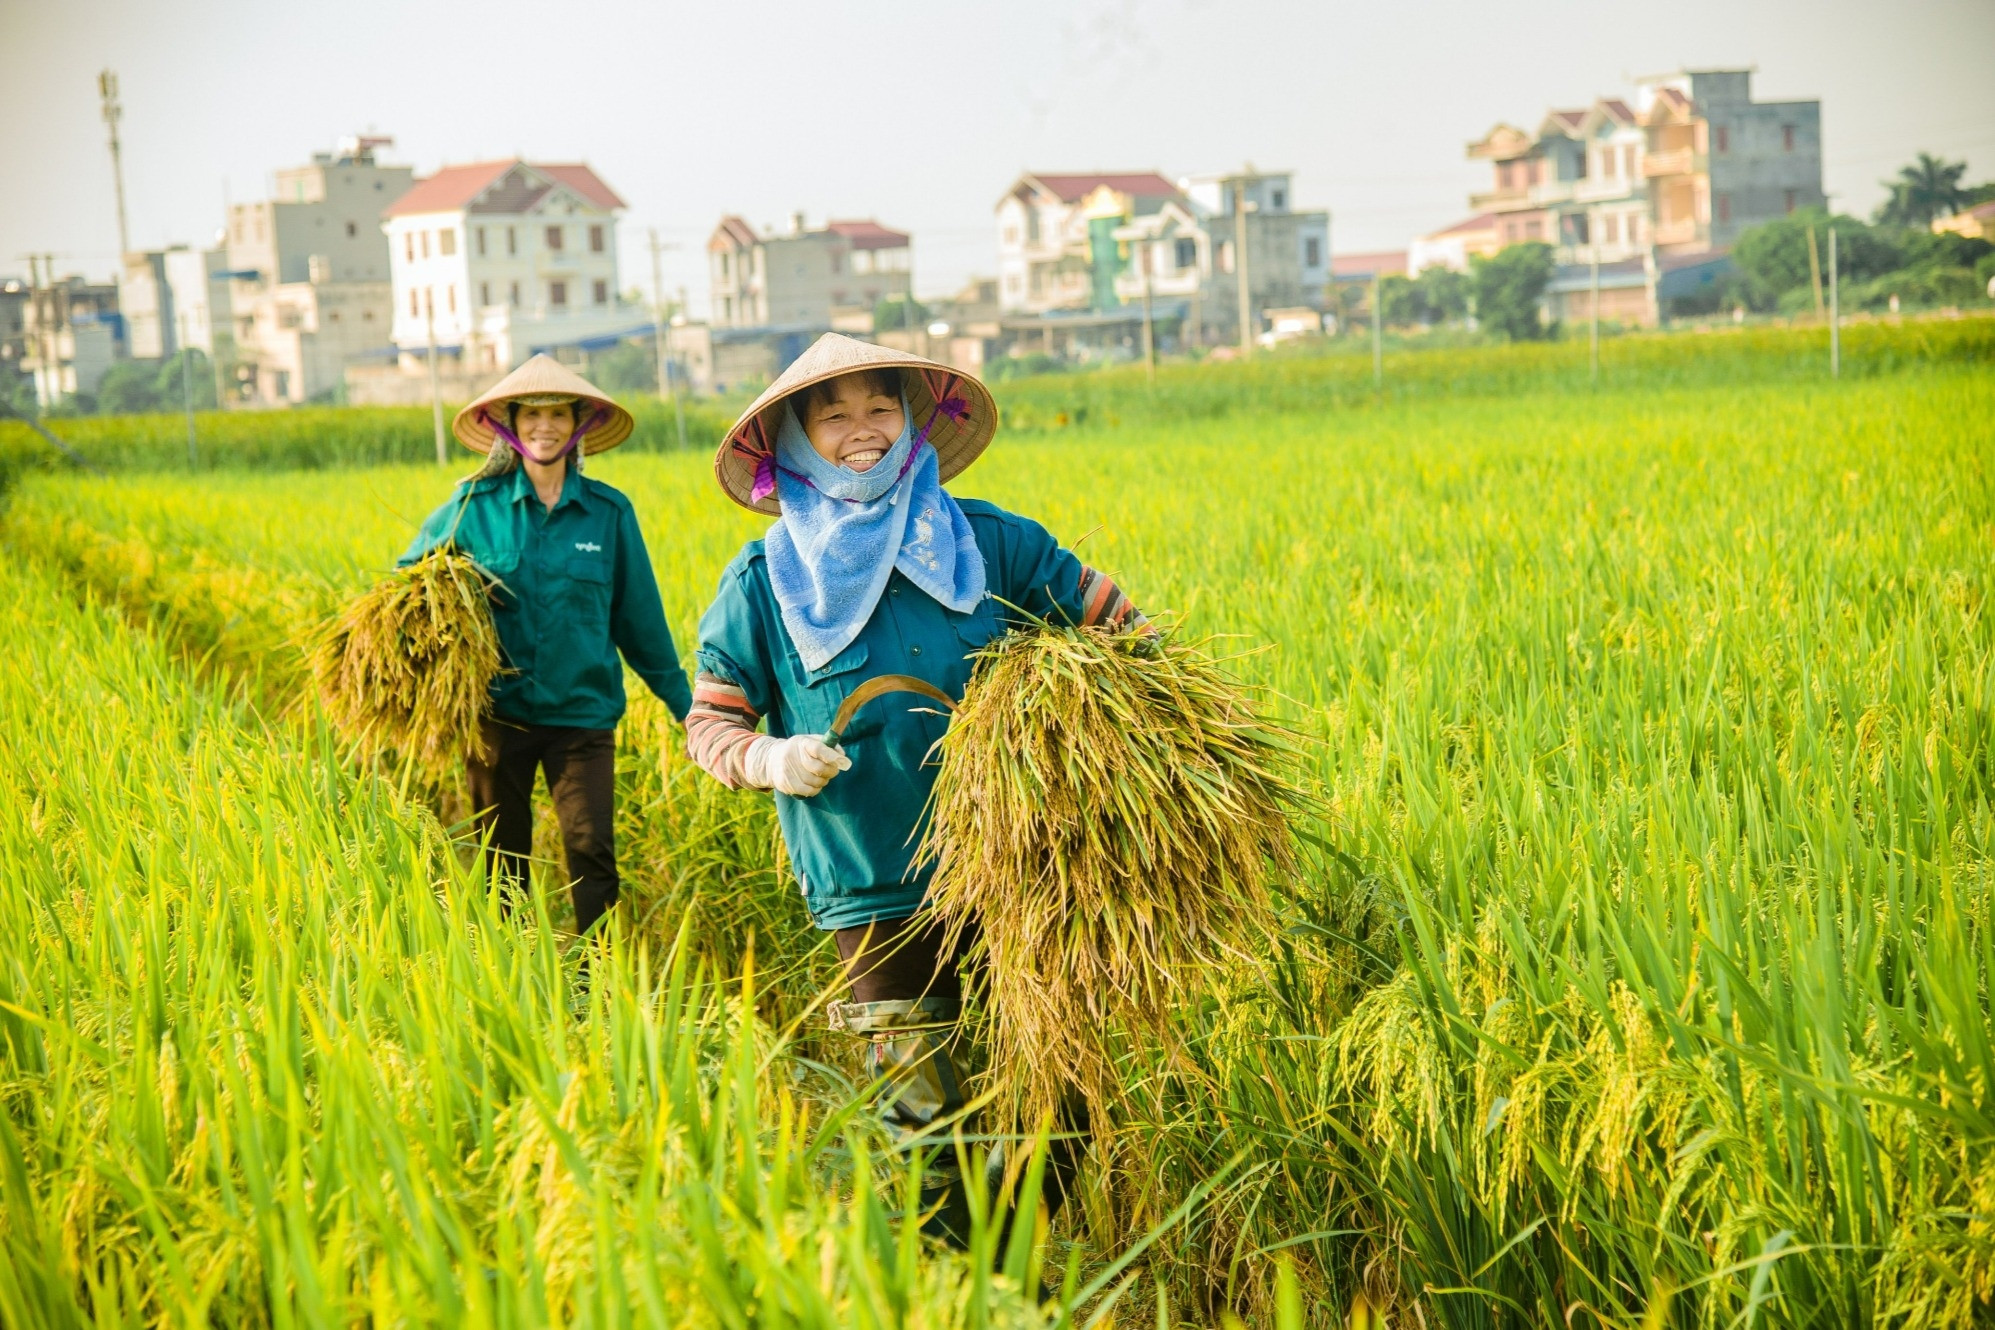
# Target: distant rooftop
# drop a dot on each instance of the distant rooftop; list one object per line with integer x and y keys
{"x": 461, "y": 187}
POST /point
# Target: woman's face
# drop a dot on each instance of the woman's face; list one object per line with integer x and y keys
{"x": 543, "y": 430}
{"x": 855, "y": 427}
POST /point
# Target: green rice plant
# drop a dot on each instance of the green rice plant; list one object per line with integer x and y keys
{"x": 1109, "y": 812}
{"x": 406, "y": 668}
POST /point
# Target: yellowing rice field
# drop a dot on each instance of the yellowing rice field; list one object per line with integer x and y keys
{"x": 1636, "y": 971}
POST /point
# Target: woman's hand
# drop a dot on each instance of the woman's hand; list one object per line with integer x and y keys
{"x": 798, "y": 766}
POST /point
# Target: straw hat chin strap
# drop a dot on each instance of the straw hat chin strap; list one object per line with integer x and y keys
{"x": 500, "y": 463}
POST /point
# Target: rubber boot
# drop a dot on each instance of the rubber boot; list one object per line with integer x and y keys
{"x": 912, "y": 1051}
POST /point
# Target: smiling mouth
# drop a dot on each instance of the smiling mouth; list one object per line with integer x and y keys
{"x": 863, "y": 460}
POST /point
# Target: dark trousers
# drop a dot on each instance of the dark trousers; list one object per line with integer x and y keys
{"x": 581, "y": 779}
{"x": 907, "y": 993}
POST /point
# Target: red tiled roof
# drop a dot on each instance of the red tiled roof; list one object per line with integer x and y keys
{"x": 456, "y": 187}
{"x": 578, "y": 177}
{"x": 731, "y": 233}
{"x": 1364, "y": 265}
{"x": 1617, "y": 108}
{"x": 868, "y": 234}
{"x": 1074, "y": 188}
{"x": 1570, "y": 119}
{"x": 448, "y": 189}
{"x": 1482, "y": 221}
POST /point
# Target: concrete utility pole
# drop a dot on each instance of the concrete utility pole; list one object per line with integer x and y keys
{"x": 1240, "y": 275}
{"x": 187, "y": 390}
{"x": 667, "y": 382}
{"x": 1593, "y": 231}
{"x": 1149, "y": 331}
{"x": 1835, "y": 312}
{"x": 107, "y": 90}
{"x": 435, "y": 388}
{"x": 1378, "y": 333}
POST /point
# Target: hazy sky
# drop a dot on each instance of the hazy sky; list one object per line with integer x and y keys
{"x": 920, "y": 114}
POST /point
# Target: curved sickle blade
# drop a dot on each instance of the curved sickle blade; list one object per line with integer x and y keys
{"x": 879, "y": 686}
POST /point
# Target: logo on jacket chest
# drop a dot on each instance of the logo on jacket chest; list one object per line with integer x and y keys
{"x": 588, "y": 547}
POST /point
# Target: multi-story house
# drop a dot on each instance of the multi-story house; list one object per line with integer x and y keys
{"x": 1687, "y": 168}
{"x": 71, "y": 334}
{"x": 309, "y": 285}
{"x": 1717, "y": 162}
{"x": 498, "y": 260}
{"x": 833, "y": 276}
{"x": 176, "y": 297}
{"x": 1095, "y": 243}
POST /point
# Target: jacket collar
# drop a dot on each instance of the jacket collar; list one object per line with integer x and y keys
{"x": 571, "y": 488}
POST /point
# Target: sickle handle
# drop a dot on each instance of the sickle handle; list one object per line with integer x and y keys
{"x": 879, "y": 686}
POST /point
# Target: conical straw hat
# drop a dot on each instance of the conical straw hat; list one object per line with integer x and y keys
{"x": 543, "y": 376}
{"x": 955, "y": 409}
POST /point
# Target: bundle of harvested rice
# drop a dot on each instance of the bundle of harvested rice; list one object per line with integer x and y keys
{"x": 407, "y": 667}
{"x": 1108, "y": 816}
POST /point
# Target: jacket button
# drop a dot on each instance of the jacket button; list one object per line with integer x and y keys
{"x": 914, "y": 650}
{"x": 893, "y": 591}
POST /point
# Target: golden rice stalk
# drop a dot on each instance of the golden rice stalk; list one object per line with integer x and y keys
{"x": 407, "y": 666}
{"x": 1108, "y": 816}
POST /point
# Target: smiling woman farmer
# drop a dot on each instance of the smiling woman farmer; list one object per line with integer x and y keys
{"x": 872, "y": 568}
{"x": 576, "y": 588}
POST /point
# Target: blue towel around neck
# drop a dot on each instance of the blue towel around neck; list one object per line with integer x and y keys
{"x": 842, "y": 533}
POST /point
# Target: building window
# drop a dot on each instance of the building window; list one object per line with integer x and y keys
{"x": 724, "y": 276}
{"x": 1787, "y": 145}
{"x": 554, "y": 238}
{"x": 1723, "y": 137}
{"x": 1312, "y": 252}
{"x": 512, "y": 243}
{"x": 513, "y": 295}
{"x": 1790, "y": 198}
{"x": 450, "y": 297}
{"x": 1724, "y": 207}
{"x": 409, "y": 245}
{"x": 601, "y": 292}
{"x": 1278, "y": 199}
{"x": 1187, "y": 252}
{"x": 479, "y": 238}
{"x": 352, "y": 230}
{"x": 423, "y": 239}
{"x": 832, "y": 258}
{"x": 484, "y": 293}
{"x": 557, "y": 294}
{"x": 727, "y": 309}
{"x": 446, "y": 241}
{"x": 415, "y": 304}
{"x": 1610, "y": 228}
{"x": 1628, "y": 160}
{"x": 595, "y": 240}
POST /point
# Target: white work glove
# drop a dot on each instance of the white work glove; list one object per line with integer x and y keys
{"x": 798, "y": 766}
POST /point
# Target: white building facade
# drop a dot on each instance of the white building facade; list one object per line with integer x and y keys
{"x": 498, "y": 260}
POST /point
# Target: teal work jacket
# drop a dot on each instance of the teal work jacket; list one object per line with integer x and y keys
{"x": 852, "y": 844}
{"x": 576, "y": 588}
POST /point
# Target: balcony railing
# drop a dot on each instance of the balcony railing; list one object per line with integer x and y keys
{"x": 1678, "y": 161}
{"x": 1679, "y": 232}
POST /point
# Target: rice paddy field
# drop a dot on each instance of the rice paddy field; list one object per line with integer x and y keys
{"x": 1635, "y": 971}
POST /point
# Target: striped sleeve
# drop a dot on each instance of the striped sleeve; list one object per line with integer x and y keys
{"x": 720, "y": 727}
{"x": 1102, "y": 602}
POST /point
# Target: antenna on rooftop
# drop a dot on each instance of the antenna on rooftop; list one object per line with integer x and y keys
{"x": 107, "y": 90}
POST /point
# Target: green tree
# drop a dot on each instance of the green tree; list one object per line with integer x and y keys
{"x": 1926, "y": 189}
{"x": 1508, "y": 288}
{"x": 171, "y": 390}
{"x": 130, "y": 387}
{"x": 896, "y": 313}
{"x": 1399, "y": 301}
{"x": 1772, "y": 258}
{"x": 627, "y": 367}
{"x": 1444, "y": 294}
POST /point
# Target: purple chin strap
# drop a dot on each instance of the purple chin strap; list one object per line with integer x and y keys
{"x": 499, "y": 428}
{"x": 766, "y": 466}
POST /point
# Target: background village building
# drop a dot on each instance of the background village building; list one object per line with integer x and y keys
{"x": 309, "y": 287}
{"x": 1454, "y": 246}
{"x": 1078, "y": 251}
{"x": 493, "y": 262}
{"x": 71, "y": 335}
{"x": 177, "y": 297}
{"x": 807, "y": 280}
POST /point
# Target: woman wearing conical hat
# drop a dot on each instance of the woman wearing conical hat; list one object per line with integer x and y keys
{"x": 576, "y": 591}
{"x": 871, "y": 568}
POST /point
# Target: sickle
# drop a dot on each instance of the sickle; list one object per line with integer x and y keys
{"x": 879, "y": 686}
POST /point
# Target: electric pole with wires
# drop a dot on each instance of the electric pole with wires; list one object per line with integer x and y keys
{"x": 668, "y": 383}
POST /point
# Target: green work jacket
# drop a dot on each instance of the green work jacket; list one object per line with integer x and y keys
{"x": 852, "y": 844}
{"x": 576, "y": 587}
